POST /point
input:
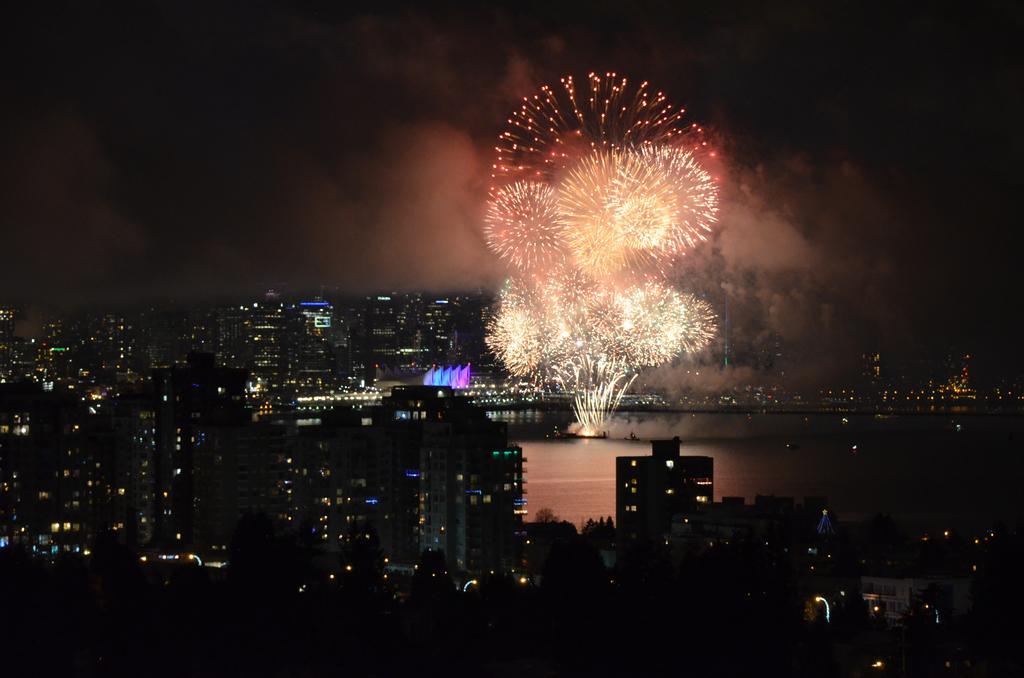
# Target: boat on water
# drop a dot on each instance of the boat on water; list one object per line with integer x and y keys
{"x": 792, "y": 446}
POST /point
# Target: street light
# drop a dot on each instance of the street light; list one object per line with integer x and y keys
{"x": 828, "y": 611}
{"x": 471, "y": 582}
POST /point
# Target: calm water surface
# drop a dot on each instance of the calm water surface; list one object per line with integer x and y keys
{"x": 921, "y": 469}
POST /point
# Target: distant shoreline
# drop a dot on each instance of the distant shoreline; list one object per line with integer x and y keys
{"x": 563, "y": 407}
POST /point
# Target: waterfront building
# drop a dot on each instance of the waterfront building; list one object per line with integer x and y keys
{"x": 649, "y": 490}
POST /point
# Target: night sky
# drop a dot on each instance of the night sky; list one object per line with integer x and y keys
{"x": 199, "y": 151}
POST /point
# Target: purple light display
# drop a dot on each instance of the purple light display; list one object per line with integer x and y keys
{"x": 455, "y": 377}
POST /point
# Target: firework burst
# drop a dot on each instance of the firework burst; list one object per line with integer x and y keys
{"x": 654, "y": 323}
{"x": 618, "y": 211}
{"x": 596, "y": 193}
{"x": 552, "y": 127}
{"x": 524, "y": 226}
{"x": 515, "y": 333}
{"x": 694, "y": 196}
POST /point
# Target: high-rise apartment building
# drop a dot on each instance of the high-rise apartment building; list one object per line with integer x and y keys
{"x": 45, "y": 473}
{"x": 187, "y": 398}
{"x": 6, "y": 342}
{"x": 425, "y": 470}
{"x": 649, "y": 490}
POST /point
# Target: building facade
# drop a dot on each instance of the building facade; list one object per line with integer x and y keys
{"x": 649, "y": 490}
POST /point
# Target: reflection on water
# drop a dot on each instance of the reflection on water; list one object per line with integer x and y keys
{"x": 919, "y": 468}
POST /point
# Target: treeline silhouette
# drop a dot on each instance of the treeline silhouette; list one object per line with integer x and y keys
{"x": 283, "y": 608}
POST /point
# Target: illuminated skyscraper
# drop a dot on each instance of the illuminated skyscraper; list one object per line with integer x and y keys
{"x": 6, "y": 342}
{"x": 113, "y": 347}
{"x": 310, "y": 348}
{"x": 269, "y": 363}
{"x": 436, "y": 340}
{"x": 233, "y": 326}
{"x": 379, "y": 334}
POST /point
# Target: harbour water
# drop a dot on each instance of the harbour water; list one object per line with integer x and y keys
{"x": 931, "y": 472}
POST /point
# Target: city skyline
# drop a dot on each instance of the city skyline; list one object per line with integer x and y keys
{"x": 831, "y": 233}
{"x": 424, "y": 330}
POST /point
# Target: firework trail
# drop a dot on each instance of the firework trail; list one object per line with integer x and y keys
{"x": 596, "y": 193}
{"x": 598, "y": 385}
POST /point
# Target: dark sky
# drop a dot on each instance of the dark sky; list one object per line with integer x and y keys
{"x": 201, "y": 150}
